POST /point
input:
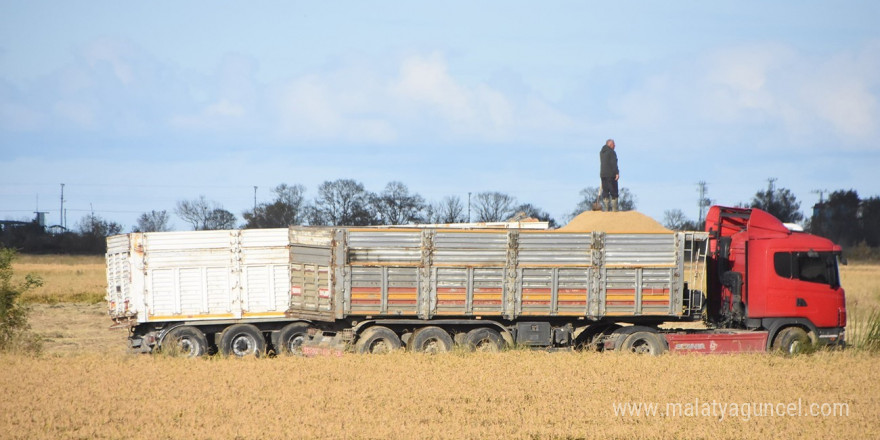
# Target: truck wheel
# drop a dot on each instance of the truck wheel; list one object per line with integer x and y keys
{"x": 242, "y": 340}
{"x": 792, "y": 340}
{"x": 377, "y": 340}
{"x": 186, "y": 341}
{"x": 430, "y": 340}
{"x": 644, "y": 343}
{"x": 291, "y": 338}
{"x": 483, "y": 339}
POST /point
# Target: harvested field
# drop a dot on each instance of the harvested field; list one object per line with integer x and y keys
{"x": 504, "y": 395}
{"x": 66, "y": 278}
{"x": 622, "y": 221}
{"x": 86, "y": 386}
{"x": 75, "y": 328}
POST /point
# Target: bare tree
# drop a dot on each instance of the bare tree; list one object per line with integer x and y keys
{"x": 448, "y": 210}
{"x": 204, "y": 215}
{"x": 94, "y": 226}
{"x": 153, "y": 221}
{"x": 676, "y": 220}
{"x": 343, "y": 202}
{"x": 396, "y": 206}
{"x": 288, "y": 208}
{"x": 590, "y": 194}
{"x": 494, "y": 206}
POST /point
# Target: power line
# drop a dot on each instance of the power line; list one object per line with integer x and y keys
{"x": 114, "y": 185}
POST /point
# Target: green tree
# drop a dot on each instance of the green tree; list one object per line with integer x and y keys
{"x": 94, "y": 231}
{"x": 838, "y": 218}
{"x": 870, "y": 221}
{"x": 14, "y": 328}
{"x": 778, "y": 201}
{"x": 288, "y": 208}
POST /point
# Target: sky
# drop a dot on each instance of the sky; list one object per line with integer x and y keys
{"x": 134, "y": 106}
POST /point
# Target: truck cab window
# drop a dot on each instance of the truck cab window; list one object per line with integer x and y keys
{"x": 782, "y": 261}
{"x": 819, "y": 267}
{"x": 812, "y": 269}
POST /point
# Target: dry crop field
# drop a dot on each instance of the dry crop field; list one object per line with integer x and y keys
{"x": 85, "y": 385}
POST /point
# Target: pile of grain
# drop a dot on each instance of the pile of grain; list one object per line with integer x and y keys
{"x": 623, "y": 221}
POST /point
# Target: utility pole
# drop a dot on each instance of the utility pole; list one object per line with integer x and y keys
{"x": 469, "y": 207}
{"x": 255, "y": 199}
{"x": 701, "y": 188}
{"x": 61, "y": 211}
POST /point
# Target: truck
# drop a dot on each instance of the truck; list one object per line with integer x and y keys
{"x": 745, "y": 283}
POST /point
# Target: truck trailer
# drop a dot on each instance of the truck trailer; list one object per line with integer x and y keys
{"x": 752, "y": 283}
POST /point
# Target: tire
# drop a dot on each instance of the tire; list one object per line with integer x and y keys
{"x": 792, "y": 340}
{"x": 644, "y": 343}
{"x": 484, "y": 339}
{"x": 430, "y": 340}
{"x": 291, "y": 338}
{"x": 185, "y": 341}
{"x": 242, "y": 340}
{"x": 377, "y": 340}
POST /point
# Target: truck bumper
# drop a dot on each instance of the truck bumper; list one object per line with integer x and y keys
{"x": 833, "y": 336}
{"x": 143, "y": 343}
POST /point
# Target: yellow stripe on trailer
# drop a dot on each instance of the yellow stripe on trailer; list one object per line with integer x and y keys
{"x": 202, "y": 316}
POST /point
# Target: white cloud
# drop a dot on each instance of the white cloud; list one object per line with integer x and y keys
{"x": 425, "y": 80}
{"x": 331, "y": 108}
{"x": 422, "y": 101}
{"x": 425, "y": 85}
{"x": 115, "y": 52}
{"x": 771, "y": 90}
{"x": 795, "y": 100}
{"x": 808, "y": 94}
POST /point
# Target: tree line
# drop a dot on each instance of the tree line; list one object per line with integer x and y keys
{"x": 346, "y": 202}
{"x": 844, "y": 217}
{"x": 341, "y": 202}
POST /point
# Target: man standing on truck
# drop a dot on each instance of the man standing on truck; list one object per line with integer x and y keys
{"x": 609, "y": 174}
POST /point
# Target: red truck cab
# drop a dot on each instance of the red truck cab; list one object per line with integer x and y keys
{"x": 763, "y": 276}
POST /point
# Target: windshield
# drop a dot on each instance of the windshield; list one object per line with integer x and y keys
{"x": 812, "y": 267}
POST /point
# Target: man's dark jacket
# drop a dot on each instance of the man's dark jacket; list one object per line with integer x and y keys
{"x": 608, "y": 161}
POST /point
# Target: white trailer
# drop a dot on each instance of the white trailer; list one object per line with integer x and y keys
{"x": 174, "y": 283}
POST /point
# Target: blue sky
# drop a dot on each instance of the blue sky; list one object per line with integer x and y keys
{"x": 134, "y": 106}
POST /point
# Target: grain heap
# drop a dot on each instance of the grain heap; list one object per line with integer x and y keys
{"x": 622, "y": 221}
